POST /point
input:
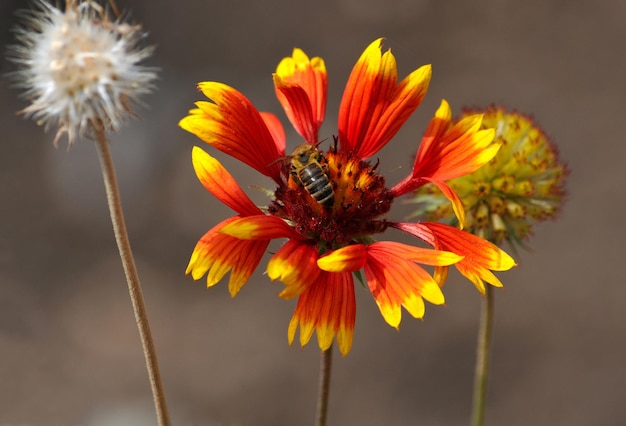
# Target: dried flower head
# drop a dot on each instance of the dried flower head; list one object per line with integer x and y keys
{"x": 524, "y": 182}
{"x": 79, "y": 68}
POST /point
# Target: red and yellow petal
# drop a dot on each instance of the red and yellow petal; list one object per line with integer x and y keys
{"x": 464, "y": 148}
{"x": 393, "y": 277}
{"x": 374, "y": 106}
{"x": 295, "y": 265}
{"x": 221, "y": 184}
{"x": 449, "y": 150}
{"x": 455, "y": 200}
{"x": 276, "y": 130}
{"x": 415, "y": 254}
{"x": 354, "y": 257}
{"x": 395, "y": 282}
{"x": 346, "y": 259}
{"x": 216, "y": 254}
{"x": 327, "y": 307}
{"x": 480, "y": 256}
{"x": 260, "y": 227}
{"x": 233, "y": 125}
{"x": 301, "y": 86}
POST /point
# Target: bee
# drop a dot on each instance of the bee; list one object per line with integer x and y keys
{"x": 307, "y": 170}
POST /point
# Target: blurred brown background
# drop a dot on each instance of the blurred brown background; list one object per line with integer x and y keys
{"x": 69, "y": 349}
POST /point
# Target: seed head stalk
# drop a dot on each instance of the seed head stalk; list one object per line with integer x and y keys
{"x": 132, "y": 278}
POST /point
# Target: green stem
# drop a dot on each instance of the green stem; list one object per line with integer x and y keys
{"x": 132, "y": 278}
{"x": 324, "y": 386}
{"x": 482, "y": 358}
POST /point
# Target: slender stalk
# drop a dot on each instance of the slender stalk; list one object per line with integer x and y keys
{"x": 482, "y": 358}
{"x": 324, "y": 386}
{"x": 134, "y": 287}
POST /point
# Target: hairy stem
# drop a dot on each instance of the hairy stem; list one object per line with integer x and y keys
{"x": 134, "y": 287}
{"x": 482, "y": 358}
{"x": 324, "y": 386}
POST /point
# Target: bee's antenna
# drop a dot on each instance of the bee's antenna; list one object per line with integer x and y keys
{"x": 320, "y": 142}
{"x": 284, "y": 159}
{"x": 376, "y": 165}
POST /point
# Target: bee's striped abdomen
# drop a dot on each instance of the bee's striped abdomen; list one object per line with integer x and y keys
{"x": 317, "y": 184}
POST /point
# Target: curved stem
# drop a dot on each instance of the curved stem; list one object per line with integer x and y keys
{"x": 482, "y": 358}
{"x": 134, "y": 287}
{"x": 324, "y": 386}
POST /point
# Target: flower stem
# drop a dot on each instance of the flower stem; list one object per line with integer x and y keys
{"x": 324, "y": 386}
{"x": 482, "y": 358}
{"x": 134, "y": 287}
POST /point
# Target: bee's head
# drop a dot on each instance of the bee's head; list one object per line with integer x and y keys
{"x": 303, "y": 157}
{"x": 303, "y": 153}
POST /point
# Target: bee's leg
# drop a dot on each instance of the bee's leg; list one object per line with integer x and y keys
{"x": 295, "y": 177}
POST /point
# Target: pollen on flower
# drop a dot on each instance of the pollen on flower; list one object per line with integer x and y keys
{"x": 525, "y": 181}
{"x": 360, "y": 199}
{"x": 79, "y": 68}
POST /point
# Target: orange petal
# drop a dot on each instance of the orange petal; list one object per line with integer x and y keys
{"x": 480, "y": 256}
{"x": 301, "y": 86}
{"x": 415, "y": 254}
{"x": 234, "y": 126}
{"x": 395, "y": 281}
{"x": 327, "y": 307}
{"x": 276, "y": 130}
{"x": 455, "y": 200}
{"x": 294, "y": 264}
{"x": 346, "y": 259}
{"x": 216, "y": 254}
{"x": 374, "y": 106}
{"x": 448, "y": 151}
{"x": 437, "y": 127}
{"x": 440, "y": 275}
{"x": 259, "y": 227}
{"x": 477, "y": 275}
{"x": 221, "y": 184}
{"x": 465, "y": 148}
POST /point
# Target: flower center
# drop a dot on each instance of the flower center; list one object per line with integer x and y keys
{"x": 334, "y": 198}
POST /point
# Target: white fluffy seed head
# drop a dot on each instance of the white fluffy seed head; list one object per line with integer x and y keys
{"x": 80, "y": 69}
